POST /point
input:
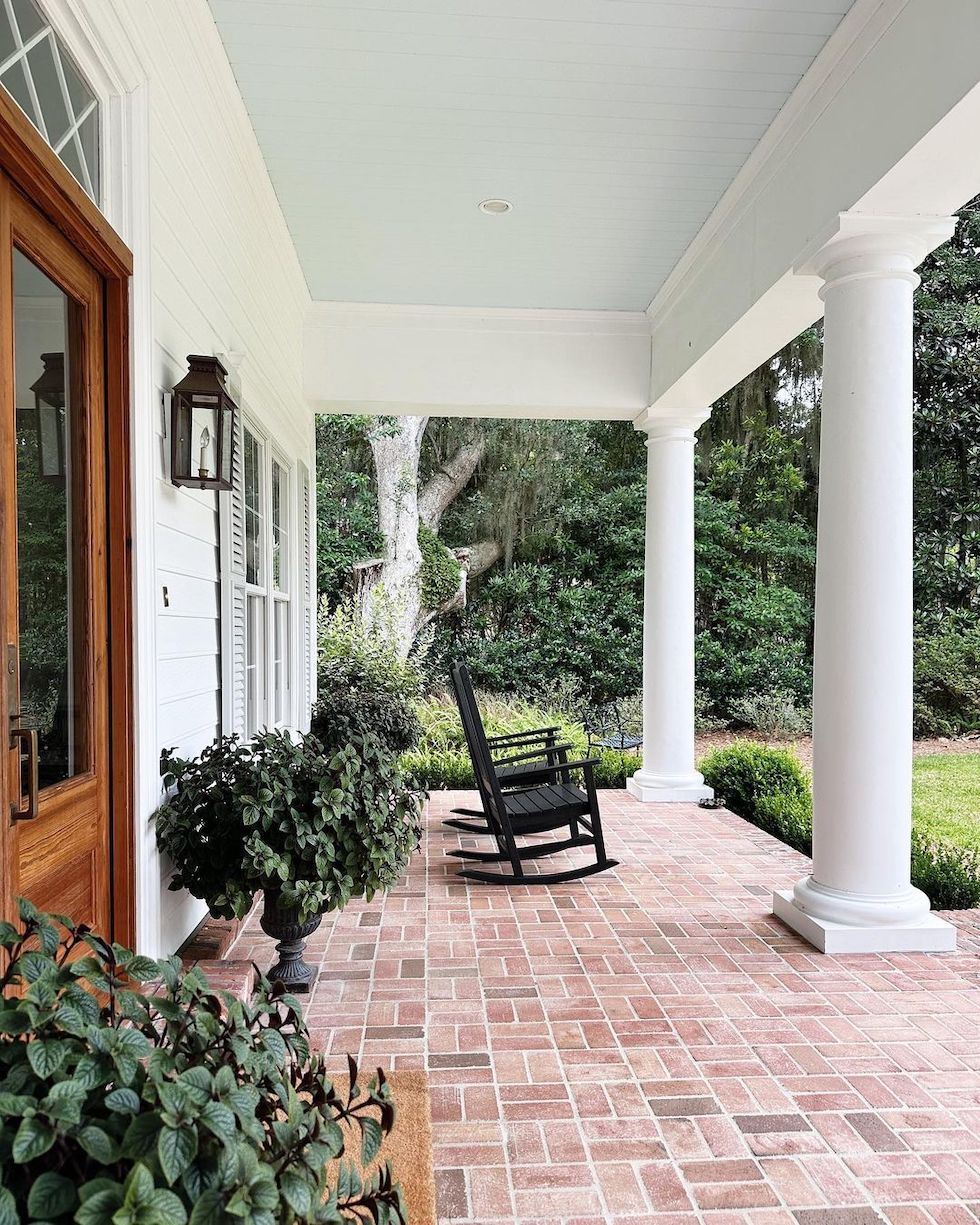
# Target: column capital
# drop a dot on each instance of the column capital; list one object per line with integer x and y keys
{"x": 680, "y": 426}
{"x": 863, "y": 245}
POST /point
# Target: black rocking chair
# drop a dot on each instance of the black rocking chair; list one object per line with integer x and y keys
{"x": 538, "y": 809}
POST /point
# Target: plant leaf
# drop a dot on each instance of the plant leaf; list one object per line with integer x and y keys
{"x": 370, "y": 1139}
{"x": 33, "y": 1138}
{"x": 46, "y": 1055}
{"x": 52, "y": 1195}
{"x": 176, "y": 1148}
{"x": 99, "y": 1145}
{"x": 208, "y": 1210}
{"x": 123, "y": 1101}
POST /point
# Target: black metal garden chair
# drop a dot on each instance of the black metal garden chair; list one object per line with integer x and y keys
{"x": 612, "y": 727}
{"x": 535, "y": 809}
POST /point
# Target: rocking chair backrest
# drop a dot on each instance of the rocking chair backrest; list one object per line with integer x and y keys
{"x": 476, "y": 742}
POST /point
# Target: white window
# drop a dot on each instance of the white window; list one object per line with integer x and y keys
{"x": 256, "y": 593}
{"x": 46, "y": 84}
{"x": 280, "y": 593}
{"x": 263, "y": 562}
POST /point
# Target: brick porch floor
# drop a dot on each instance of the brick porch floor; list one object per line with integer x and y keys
{"x": 650, "y": 1045}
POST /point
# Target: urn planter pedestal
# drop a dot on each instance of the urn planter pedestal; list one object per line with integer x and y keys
{"x": 283, "y": 924}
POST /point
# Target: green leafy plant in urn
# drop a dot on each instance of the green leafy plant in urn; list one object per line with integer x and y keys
{"x": 311, "y": 827}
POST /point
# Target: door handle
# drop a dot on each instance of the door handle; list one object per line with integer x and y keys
{"x": 24, "y": 739}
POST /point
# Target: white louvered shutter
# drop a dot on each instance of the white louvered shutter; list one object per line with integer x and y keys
{"x": 233, "y": 600}
{"x": 307, "y": 511}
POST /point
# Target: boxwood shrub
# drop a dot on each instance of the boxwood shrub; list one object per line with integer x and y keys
{"x": 745, "y": 773}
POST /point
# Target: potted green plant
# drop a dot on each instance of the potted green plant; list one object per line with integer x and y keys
{"x": 183, "y": 1104}
{"x": 308, "y": 827}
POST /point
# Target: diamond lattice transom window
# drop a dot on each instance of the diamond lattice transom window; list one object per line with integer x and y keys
{"x": 43, "y": 80}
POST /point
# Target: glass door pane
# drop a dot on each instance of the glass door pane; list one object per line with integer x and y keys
{"x": 51, "y": 523}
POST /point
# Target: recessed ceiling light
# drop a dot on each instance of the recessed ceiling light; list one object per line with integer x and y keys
{"x": 495, "y": 207}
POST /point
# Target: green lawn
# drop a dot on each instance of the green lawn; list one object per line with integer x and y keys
{"x": 946, "y": 797}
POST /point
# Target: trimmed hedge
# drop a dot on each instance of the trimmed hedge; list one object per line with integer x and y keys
{"x": 949, "y": 875}
{"x": 769, "y": 788}
{"x": 450, "y": 769}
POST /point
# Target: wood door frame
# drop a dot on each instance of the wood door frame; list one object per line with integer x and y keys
{"x": 38, "y": 172}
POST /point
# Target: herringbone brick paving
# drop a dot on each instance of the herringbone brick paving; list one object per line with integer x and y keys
{"x": 651, "y": 1045}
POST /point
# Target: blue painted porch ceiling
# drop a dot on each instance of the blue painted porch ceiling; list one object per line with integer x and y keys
{"x": 614, "y": 127}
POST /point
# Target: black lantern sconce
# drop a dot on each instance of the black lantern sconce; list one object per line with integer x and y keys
{"x": 202, "y": 427}
{"x": 49, "y": 404}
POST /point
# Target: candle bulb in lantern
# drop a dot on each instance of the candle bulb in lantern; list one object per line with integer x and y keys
{"x": 205, "y": 444}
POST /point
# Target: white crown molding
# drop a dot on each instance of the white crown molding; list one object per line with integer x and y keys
{"x": 856, "y": 35}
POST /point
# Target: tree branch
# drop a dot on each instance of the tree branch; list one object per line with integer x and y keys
{"x": 478, "y": 557}
{"x": 448, "y": 482}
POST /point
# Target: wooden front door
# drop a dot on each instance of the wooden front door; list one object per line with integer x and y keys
{"x": 54, "y": 616}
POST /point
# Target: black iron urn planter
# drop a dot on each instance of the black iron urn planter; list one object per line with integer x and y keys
{"x": 283, "y": 924}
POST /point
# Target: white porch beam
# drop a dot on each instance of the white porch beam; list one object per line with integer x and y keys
{"x": 859, "y": 897}
{"x": 669, "y": 773}
{"x": 471, "y": 362}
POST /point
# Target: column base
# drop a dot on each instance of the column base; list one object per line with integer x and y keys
{"x": 924, "y": 933}
{"x": 668, "y": 788}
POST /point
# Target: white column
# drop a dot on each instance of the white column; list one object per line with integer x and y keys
{"x": 669, "y": 772}
{"x": 859, "y": 897}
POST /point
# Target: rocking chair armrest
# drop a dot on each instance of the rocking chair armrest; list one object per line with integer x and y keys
{"x": 532, "y": 754}
{"x": 556, "y": 767}
{"x": 536, "y": 733}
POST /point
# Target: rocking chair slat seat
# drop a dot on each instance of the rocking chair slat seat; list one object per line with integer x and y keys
{"x": 564, "y": 798}
{"x": 527, "y": 797}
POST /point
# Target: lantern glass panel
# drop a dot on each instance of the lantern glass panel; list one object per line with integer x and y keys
{"x": 204, "y": 435}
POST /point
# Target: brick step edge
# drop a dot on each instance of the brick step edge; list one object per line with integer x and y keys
{"x": 235, "y": 977}
{"x": 210, "y": 941}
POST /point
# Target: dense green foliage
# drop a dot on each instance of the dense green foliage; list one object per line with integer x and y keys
{"x": 346, "y": 504}
{"x": 442, "y": 762}
{"x": 947, "y": 431}
{"x": 769, "y": 788}
{"x": 946, "y": 872}
{"x": 745, "y": 773}
{"x": 754, "y": 562}
{"x": 363, "y": 687}
{"x": 568, "y": 613}
{"x": 947, "y": 681}
{"x": 119, "y": 1108}
{"x": 315, "y": 827}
